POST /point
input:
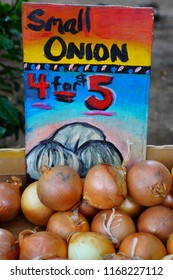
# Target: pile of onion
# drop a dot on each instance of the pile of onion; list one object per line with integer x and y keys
{"x": 114, "y": 224}
{"x": 33, "y": 209}
{"x": 10, "y": 196}
{"x": 157, "y": 220}
{"x": 59, "y": 188}
{"x": 131, "y": 207}
{"x": 169, "y": 244}
{"x": 105, "y": 186}
{"x": 149, "y": 182}
{"x": 9, "y": 249}
{"x": 89, "y": 246}
{"x": 67, "y": 223}
{"x": 34, "y": 245}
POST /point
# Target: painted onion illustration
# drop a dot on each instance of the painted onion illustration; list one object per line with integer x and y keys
{"x": 50, "y": 153}
{"x": 74, "y": 135}
{"x": 94, "y": 152}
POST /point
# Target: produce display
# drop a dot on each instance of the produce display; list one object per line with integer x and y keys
{"x": 113, "y": 213}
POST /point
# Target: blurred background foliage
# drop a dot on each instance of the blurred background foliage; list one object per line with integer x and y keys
{"x": 11, "y": 71}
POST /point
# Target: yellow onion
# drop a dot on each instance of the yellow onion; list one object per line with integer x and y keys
{"x": 143, "y": 245}
{"x": 105, "y": 186}
{"x": 36, "y": 244}
{"x": 168, "y": 257}
{"x": 149, "y": 182}
{"x": 87, "y": 210}
{"x": 9, "y": 248}
{"x": 131, "y": 207}
{"x": 157, "y": 220}
{"x": 169, "y": 244}
{"x": 117, "y": 256}
{"x": 89, "y": 246}
{"x": 66, "y": 223}
{"x": 114, "y": 224}
{"x": 59, "y": 188}
{"x": 33, "y": 209}
{"x": 10, "y": 196}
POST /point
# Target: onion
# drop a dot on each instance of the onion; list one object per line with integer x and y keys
{"x": 9, "y": 249}
{"x": 168, "y": 257}
{"x": 118, "y": 256}
{"x": 149, "y": 182}
{"x": 33, "y": 209}
{"x": 36, "y": 244}
{"x": 157, "y": 220}
{"x": 87, "y": 210}
{"x": 89, "y": 246}
{"x": 168, "y": 201}
{"x": 169, "y": 244}
{"x": 10, "y": 196}
{"x": 59, "y": 188}
{"x": 142, "y": 245}
{"x": 131, "y": 207}
{"x": 114, "y": 224}
{"x": 67, "y": 223}
{"x": 105, "y": 186}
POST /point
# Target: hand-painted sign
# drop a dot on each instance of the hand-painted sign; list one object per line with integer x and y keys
{"x": 87, "y": 80}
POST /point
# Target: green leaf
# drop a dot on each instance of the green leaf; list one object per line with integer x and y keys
{"x": 8, "y": 111}
{"x": 6, "y": 43}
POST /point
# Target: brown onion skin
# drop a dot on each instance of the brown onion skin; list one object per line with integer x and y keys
{"x": 9, "y": 248}
{"x": 169, "y": 244}
{"x": 104, "y": 186}
{"x": 149, "y": 182}
{"x": 168, "y": 201}
{"x": 59, "y": 188}
{"x": 121, "y": 225}
{"x": 87, "y": 210}
{"x": 10, "y": 196}
{"x": 64, "y": 224}
{"x": 117, "y": 256}
{"x": 148, "y": 246}
{"x": 35, "y": 244}
{"x": 131, "y": 207}
{"x": 157, "y": 220}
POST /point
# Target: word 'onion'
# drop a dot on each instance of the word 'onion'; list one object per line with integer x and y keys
{"x": 36, "y": 244}
{"x": 89, "y": 246}
{"x": 169, "y": 244}
{"x": 9, "y": 249}
{"x": 149, "y": 182}
{"x": 105, "y": 186}
{"x": 10, "y": 196}
{"x": 33, "y": 209}
{"x": 59, "y": 188}
{"x": 114, "y": 224}
{"x": 143, "y": 245}
{"x": 67, "y": 223}
{"x": 157, "y": 220}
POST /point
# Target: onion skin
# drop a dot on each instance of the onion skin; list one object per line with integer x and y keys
{"x": 10, "y": 196}
{"x": 33, "y": 209}
{"x": 168, "y": 201}
{"x": 142, "y": 245}
{"x": 59, "y": 188}
{"x": 105, "y": 186}
{"x": 157, "y": 220}
{"x": 168, "y": 257}
{"x": 118, "y": 256}
{"x": 87, "y": 210}
{"x": 36, "y": 244}
{"x": 9, "y": 249}
{"x": 114, "y": 224}
{"x": 149, "y": 182}
{"x": 89, "y": 246}
{"x": 67, "y": 223}
{"x": 131, "y": 207}
{"x": 169, "y": 244}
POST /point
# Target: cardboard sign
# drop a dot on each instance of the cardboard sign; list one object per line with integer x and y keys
{"x": 87, "y": 81}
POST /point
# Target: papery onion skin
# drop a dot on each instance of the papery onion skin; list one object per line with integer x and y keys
{"x": 87, "y": 210}
{"x": 142, "y": 245}
{"x": 157, "y": 220}
{"x": 33, "y": 209}
{"x": 59, "y": 188}
{"x": 131, "y": 207}
{"x": 104, "y": 186}
{"x": 89, "y": 246}
{"x": 168, "y": 201}
{"x": 149, "y": 182}
{"x": 67, "y": 223}
{"x": 35, "y": 244}
{"x": 9, "y": 249}
{"x": 114, "y": 224}
{"x": 118, "y": 256}
{"x": 10, "y": 196}
{"x": 169, "y": 244}
{"x": 168, "y": 257}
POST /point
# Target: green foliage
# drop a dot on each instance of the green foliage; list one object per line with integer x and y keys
{"x": 11, "y": 70}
